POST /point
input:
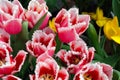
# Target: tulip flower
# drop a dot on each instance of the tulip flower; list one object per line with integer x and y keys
{"x": 8, "y": 64}
{"x": 41, "y": 42}
{"x": 99, "y": 17}
{"x": 97, "y": 71}
{"x": 36, "y": 9}
{"x": 48, "y": 69}
{"x": 4, "y": 36}
{"x": 112, "y": 30}
{"x": 69, "y": 23}
{"x": 10, "y": 77}
{"x": 11, "y": 15}
{"x": 77, "y": 57}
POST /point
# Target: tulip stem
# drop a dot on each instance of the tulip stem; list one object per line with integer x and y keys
{"x": 99, "y": 35}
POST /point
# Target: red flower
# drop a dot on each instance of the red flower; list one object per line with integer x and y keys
{"x": 41, "y": 42}
{"x": 8, "y": 64}
{"x": 36, "y": 9}
{"x": 97, "y": 71}
{"x": 48, "y": 69}
{"x": 4, "y": 36}
{"x": 11, "y": 15}
{"x": 10, "y": 77}
{"x": 70, "y": 23}
{"x": 77, "y": 57}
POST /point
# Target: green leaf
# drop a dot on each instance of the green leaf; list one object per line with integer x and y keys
{"x": 116, "y": 75}
{"x": 112, "y": 60}
{"x": 92, "y": 35}
{"x": 66, "y": 47}
{"x": 59, "y": 44}
{"x": 102, "y": 41}
{"x": 37, "y": 25}
{"x": 116, "y": 8}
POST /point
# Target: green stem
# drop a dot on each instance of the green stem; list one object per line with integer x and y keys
{"x": 99, "y": 35}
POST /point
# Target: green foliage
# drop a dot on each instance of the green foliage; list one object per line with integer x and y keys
{"x": 92, "y": 35}
{"x": 116, "y": 8}
{"x": 116, "y": 75}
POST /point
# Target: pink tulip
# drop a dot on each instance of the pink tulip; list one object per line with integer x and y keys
{"x": 11, "y": 15}
{"x": 36, "y": 9}
{"x": 63, "y": 74}
{"x": 48, "y": 69}
{"x": 70, "y": 23}
{"x": 41, "y": 42}
{"x": 10, "y": 77}
{"x": 8, "y": 64}
{"x": 77, "y": 57}
{"x": 4, "y": 36}
{"x": 97, "y": 71}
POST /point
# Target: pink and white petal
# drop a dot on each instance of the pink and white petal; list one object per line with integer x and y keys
{"x": 90, "y": 55}
{"x": 6, "y": 69}
{"x": 108, "y": 70}
{"x": 38, "y": 49}
{"x": 32, "y": 77}
{"x": 62, "y": 19}
{"x": 73, "y": 15}
{"x": 41, "y": 1}
{"x": 49, "y": 61}
{"x": 63, "y": 74}
{"x": 35, "y": 49}
{"x": 20, "y": 59}
{"x": 29, "y": 47}
{"x": 47, "y": 30}
{"x": 43, "y": 57}
{"x": 49, "y": 66}
{"x": 5, "y": 49}
{"x": 31, "y": 17}
{"x": 4, "y": 17}
{"x": 13, "y": 26}
{"x": 51, "y": 51}
{"x": 45, "y": 39}
{"x": 10, "y": 77}
{"x": 67, "y": 35}
{"x": 83, "y": 23}
{"x": 4, "y": 36}
{"x": 80, "y": 27}
{"x": 61, "y": 55}
{"x": 5, "y": 5}
{"x": 79, "y": 46}
{"x": 19, "y": 13}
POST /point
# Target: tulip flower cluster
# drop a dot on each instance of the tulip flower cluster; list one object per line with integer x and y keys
{"x": 42, "y": 49}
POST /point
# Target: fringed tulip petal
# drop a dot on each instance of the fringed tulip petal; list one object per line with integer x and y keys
{"x": 20, "y": 59}
{"x": 41, "y": 43}
{"x": 11, "y": 77}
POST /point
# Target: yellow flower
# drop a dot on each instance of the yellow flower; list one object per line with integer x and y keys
{"x": 52, "y": 25}
{"x": 112, "y": 30}
{"x": 99, "y": 17}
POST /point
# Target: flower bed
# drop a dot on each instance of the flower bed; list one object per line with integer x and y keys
{"x": 38, "y": 44}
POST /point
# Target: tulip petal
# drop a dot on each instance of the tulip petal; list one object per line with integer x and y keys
{"x": 20, "y": 59}
{"x": 11, "y": 77}
{"x": 63, "y": 74}
{"x": 13, "y": 26}
{"x": 67, "y": 34}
